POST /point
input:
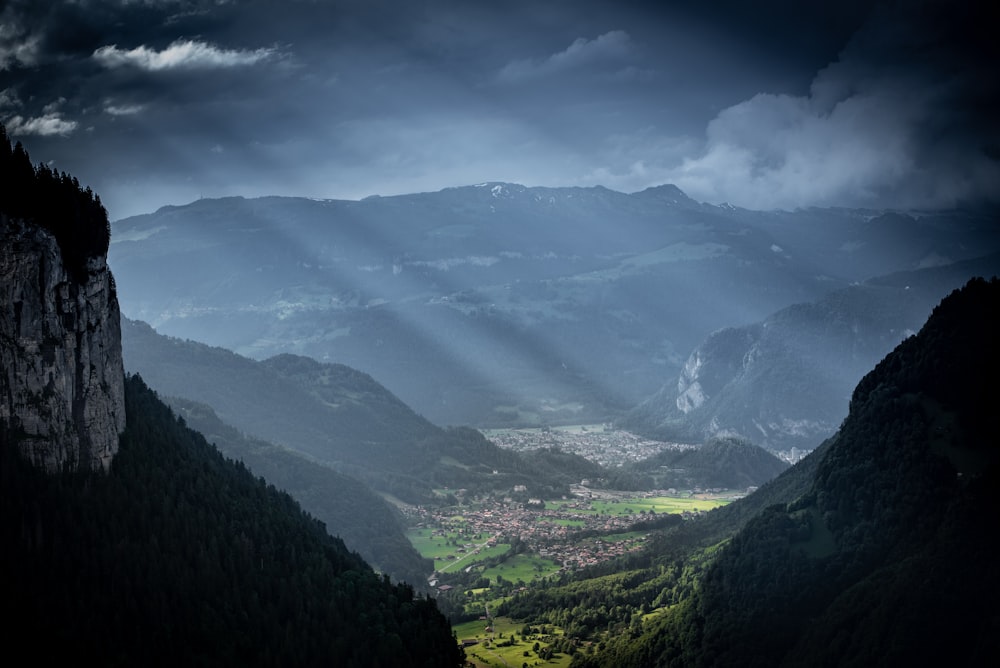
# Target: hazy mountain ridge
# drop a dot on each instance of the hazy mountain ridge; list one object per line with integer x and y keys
{"x": 500, "y": 304}
{"x": 349, "y": 509}
{"x": 339, "y": 417}
{"x": 785, "y": 382}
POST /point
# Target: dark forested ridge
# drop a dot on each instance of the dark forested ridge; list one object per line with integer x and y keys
{"x": 56, "y": 202}
{"x": 886, "y": 556}
{"x": 724, "y": 462}
{"x": 181, "y": 557}
{"x": 350, "y": 509}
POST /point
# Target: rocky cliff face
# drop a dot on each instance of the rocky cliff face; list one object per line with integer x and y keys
{"x": 61, "y": 373}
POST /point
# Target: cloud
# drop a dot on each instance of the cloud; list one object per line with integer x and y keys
{"x": 889, "y": 123}
{"x": 49, "y": 124}
{"x": 613, "y": 46}
{"x": 780, "y": 151}
{"x": 181, "y": 54}
{"x": 123, "y": 109}
{"x": 17, "y": 44}
{"x": 9, "y": 99}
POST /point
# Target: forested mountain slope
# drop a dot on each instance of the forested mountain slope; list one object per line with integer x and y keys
{"x": 728, "y": 463}
{"x": 887, "y": 557}
{"x": 350, "y": 509}
{"x": 179, "y": 556}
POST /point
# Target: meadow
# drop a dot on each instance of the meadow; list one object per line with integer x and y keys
{"x": 506, "y": 647}
{"x": 446, "y": 554}
{"x": 523, "y": 568}
{"x": 639, "y": 505}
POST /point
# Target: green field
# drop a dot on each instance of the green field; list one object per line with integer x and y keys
{"x": 636, "y": 506}
{"x": 523, "y": 567}
{"x": 448, "y": 557}
{"x": 494, "y": 651}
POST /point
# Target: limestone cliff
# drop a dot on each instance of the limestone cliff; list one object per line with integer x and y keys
{"x": 61, "y": 373}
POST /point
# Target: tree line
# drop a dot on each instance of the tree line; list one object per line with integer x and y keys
{"x": 56, "y": 202}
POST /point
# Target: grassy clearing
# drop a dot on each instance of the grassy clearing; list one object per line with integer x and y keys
{"x": 657, "y": 504}
{"x": 505, "y": 647}
{"x": 523, "y": 567}
{"x": 451, "y": 461}
{"x": 470, "y": 558}
{"x": 446, "y": 555}
{"x": 432, "y": 547}
{"x": 636, "y": 506}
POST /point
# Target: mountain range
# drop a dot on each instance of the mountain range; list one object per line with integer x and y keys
{"x": 785, "y": 382}
{"x": 339, "y": 418}
{"x": 499, "y": 304}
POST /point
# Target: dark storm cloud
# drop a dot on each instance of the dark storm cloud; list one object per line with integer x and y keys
{"x": 760, "y": 104}
{"x": 907, "y": 116}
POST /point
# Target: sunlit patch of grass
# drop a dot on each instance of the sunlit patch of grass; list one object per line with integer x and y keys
{"x": 656, "y": 504}
{"x": 504, "y": 646}
{"x": 522, "y": 567}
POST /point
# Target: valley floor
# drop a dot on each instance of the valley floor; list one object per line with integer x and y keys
{"x": 583, "y": 530}
{"x": 488, "y": 549}
{"x": 599, "y": 443}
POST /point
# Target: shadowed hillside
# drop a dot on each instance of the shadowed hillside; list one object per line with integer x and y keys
{"x": 339, "y": 417}
{"x": 349, "y": 508}
{"x": 179, "y": 556}
{"x": 786, "y": 381}
{"x": 886, "y": 557}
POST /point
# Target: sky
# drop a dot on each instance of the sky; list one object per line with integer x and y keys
{"x": 772, "y": 104}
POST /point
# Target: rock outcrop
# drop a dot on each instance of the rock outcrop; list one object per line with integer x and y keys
{"x": 61, "y": 372}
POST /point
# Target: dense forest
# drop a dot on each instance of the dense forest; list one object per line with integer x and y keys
{"x": 350, "y": 509}
{"x": 55, "y": 201}
{"x": 180, "y": 556}
{"x": 726, "y": 462}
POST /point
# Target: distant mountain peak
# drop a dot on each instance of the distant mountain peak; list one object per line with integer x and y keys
{"x": 667, "y": 192}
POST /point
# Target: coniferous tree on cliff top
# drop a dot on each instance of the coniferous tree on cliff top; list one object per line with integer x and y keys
{"x": 56, "y": 202}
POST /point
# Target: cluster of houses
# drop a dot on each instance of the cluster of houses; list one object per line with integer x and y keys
{"x": 550, "y": 532}
{"x": 601, "y": 443}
